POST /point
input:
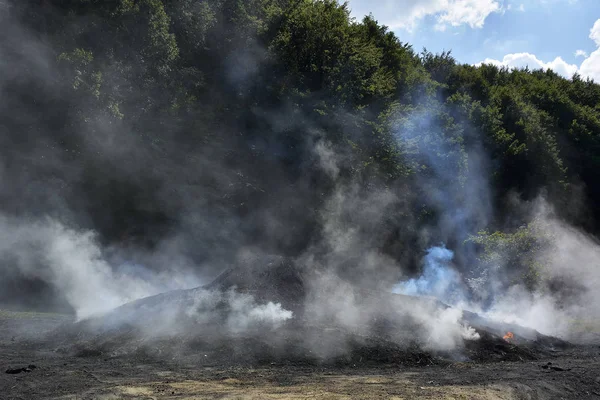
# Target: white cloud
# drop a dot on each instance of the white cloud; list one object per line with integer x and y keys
{"x": 470, "y": 12}
{"x": 590, "y": 67}
{"x": 522, "y": 60}
{"x": 509, "y": 7}
{"x": 595, "y": 33}
{"x": 405, "y": 14}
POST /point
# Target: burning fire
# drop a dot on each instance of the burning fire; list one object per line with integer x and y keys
{"x": 508, "y": 336}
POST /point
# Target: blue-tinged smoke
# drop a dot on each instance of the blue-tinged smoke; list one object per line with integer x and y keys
{"x": 438, "y": 279}
{"x": 451, "y": 169}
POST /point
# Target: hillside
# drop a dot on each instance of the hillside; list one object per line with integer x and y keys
{"x": 156, "y": 136}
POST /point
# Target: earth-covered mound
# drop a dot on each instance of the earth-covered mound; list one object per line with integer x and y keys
{"x": 269, "y": 312}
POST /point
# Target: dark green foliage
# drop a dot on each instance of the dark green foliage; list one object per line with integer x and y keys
{"x": 229, "y": 98}
{"x": 518, "y": 256}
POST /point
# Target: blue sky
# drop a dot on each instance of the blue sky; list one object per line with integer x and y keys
{"x": 537, "y": 33}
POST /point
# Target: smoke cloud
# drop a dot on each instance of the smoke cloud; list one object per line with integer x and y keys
{"x": 438, "y": 279}
{"x": 562, "y": 259}
{"x": 566, "y": 301}
{"x": 73, "y": 262}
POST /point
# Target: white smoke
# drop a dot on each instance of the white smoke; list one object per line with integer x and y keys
{"x": 445, "y": 331}
{"x": 73, "y": 262}
{"x": 244, "y": 313}
{"x": 567, "y": 302}
{"x": 335, "y": 303}
{"x": 438, "y": 278}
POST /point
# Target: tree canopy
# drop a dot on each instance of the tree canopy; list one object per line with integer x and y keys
{"x": 236, "y": 121}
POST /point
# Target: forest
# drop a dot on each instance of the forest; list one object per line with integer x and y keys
{"x": 184, "y": 132}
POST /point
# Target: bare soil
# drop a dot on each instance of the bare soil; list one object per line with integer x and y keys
{"x": 574, "y": 372}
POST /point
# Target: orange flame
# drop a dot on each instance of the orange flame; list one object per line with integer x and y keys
{"x": 508, "y": 336}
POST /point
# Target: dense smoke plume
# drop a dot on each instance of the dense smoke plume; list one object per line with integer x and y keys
{"x": 438, "y": 278}
{"x": 73, "y": 263}
{"x": 563, "y": 259}
{"x": 566, "y": 301}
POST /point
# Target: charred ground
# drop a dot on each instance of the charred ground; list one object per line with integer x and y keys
{"x": 500, "y": 373}
{"x": 130, "y": 353}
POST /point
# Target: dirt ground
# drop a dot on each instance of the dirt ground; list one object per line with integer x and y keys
{"x": 94, "y": 376}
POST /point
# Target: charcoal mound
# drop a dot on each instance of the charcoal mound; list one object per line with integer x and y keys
{"x": 255, "y": 313}
{"x": 275, "y": 278}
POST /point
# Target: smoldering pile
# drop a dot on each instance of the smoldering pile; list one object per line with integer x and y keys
{"x": 272, "y": 312}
